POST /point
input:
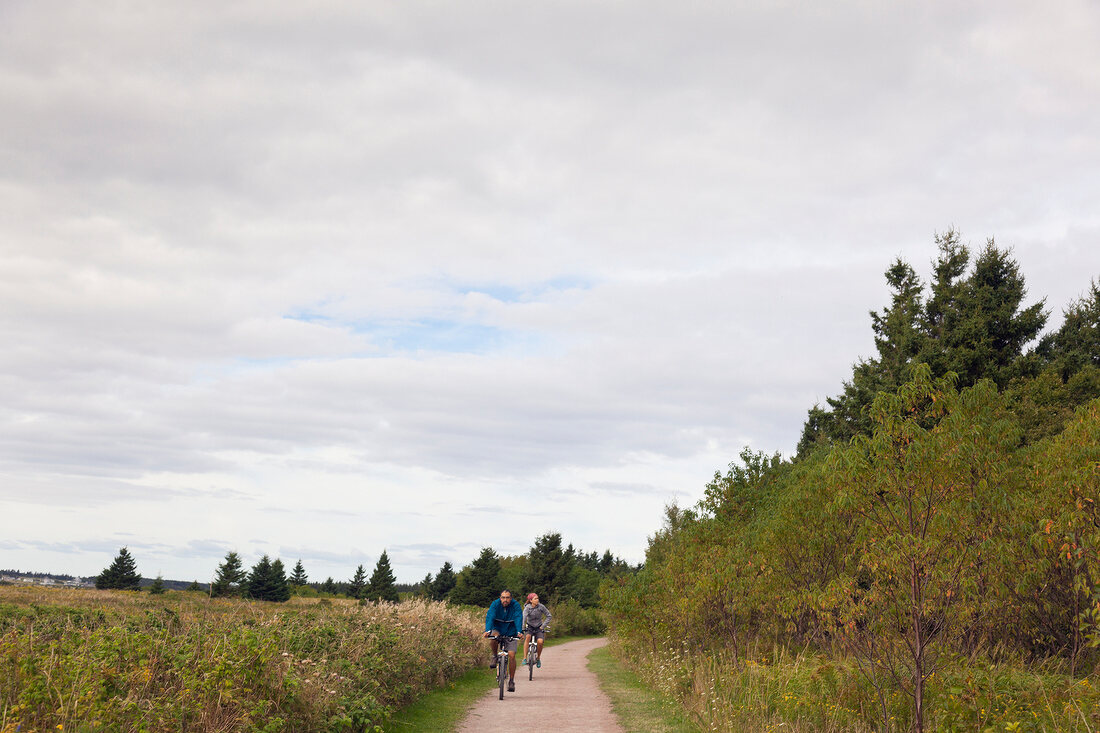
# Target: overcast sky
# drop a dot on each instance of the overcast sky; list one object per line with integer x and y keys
{"x": 322, "y": 279}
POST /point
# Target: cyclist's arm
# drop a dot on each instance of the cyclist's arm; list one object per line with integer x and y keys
{"x": 525, "y": 609}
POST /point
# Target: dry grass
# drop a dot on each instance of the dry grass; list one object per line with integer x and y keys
{"x": 102, "y": 660}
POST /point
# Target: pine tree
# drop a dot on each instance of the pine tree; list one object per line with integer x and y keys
{"x": 550, "y": 570}
{"x": 230, "y": 578}
{"x": 444, "y": 582}
{"x": 157, "y": 588}
{"x": 479, "y": 584}
{"x": 121, "y": 574}
{"x": 299, "y": 577}
{"x": 381, "y": 585}
{"x": 278, "y": 587}
{"x": 424, "y": 588}
{"x": 358, "y": 583}
{"x": 329, "y": 586}
{"x": 259, "y": 583}
{"x": 194, "y": 586}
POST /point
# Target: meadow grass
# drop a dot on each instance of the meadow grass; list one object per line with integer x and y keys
{"x": 638, "y": 708}
{"x": 806, "y": 691}
{"x": 123, "y": 661}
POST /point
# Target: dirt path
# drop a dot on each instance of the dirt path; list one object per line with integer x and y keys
{"x": 563, "y": 697}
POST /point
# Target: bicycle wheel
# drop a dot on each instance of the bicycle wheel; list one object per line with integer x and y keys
{"x": 502, "y": 673}
{"x": 531, "y": 657}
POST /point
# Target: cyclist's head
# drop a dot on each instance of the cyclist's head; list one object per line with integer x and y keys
{"x": 506, "y": 596}
{"x": 532, "y": 598}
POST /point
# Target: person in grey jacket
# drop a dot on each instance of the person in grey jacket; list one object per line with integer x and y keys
{"x": 536, "y": 622}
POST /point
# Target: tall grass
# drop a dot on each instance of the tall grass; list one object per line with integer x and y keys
{"x": 95, "y": 660}
{"x": 776, "y": 689}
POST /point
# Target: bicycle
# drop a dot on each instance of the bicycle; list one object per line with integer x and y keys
{"x": 532, "y": 657}
{"x": 502, "y": 660}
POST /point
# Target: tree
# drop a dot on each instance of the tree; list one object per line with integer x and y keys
{"x": 381, "y": 585}
{"x": 424, "y": 587}
{"x": 444, "y": 582}
{"x": 479, "y": 583}
{"x": 157, "y": 588}
{"x": 279, "y": 588}
{"x": 299, "y": 578}
{"x": 122, "y": 574}
{"x": 550, "y": 568}
{"x": 230, "y": 577}
{"x": 358, "y": 583}
{"x": 194, "y": 586}
{"x": 329, "y": 586}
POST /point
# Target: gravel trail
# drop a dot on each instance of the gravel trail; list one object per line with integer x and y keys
{"x": 563, "y": 697}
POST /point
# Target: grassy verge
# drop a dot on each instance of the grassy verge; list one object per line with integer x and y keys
{"x": 639, "y": 708}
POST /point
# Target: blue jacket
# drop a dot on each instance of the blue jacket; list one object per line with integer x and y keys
{"x": 507, "y": 621}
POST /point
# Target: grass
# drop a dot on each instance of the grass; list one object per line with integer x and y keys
{"x": 639, "y": 708}
{"x": 115, "y": 660}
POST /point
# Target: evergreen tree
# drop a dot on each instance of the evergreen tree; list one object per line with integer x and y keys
{"x": 381, "y": 585}
{"x": 329, "y": 586}
{"x": 122, "y": 574}
{"x": 278, "y": 587}
{"x": 230, "y": 577}
{"x": 479, "y": 584}
{"x": 157, "y": 588}
{"x": 194, "y": 586}
{"x": 358, "y": 583}
{"x": 260, "y": 582}
{"x": 444, "y": 582}
{"x": 1076, "y": 344}
{"x": 424, "y": 588}
{"x": 299, "y": 577}
{"x": 550, "y": 570}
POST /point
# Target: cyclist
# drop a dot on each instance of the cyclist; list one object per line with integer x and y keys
{"x": 536, "y": 622}
{"x": 506, "y": 619}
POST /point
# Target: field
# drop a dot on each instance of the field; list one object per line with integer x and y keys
{"x": 81, "y": 660}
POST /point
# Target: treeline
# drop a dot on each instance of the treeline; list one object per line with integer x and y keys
{"x": 942, "y": 508}
{"x": 555, "y": 572}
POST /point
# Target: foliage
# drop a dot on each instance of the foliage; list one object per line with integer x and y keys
{"x": 113, "y": 661}
{"x": 121, "y": 574}
{"x": 157, "y": 588}
{"x": 479, "y": 583}
{"x": 444, "y": 582}
{"x": 358, "y": 583}
{"x": 298, "y": 577}
{"x": 230, "y": 578}
{"x": 267, "y": 581}
{"x": 381, "y": 585}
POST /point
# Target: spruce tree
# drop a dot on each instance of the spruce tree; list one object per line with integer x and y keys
{"x": 424, "y": 588}
{"x": 479, "y": 584}
{"x": 444, "y": 582}
{"x": 299, "y": 577}
{"x": 259, "y": 583}
{"x": 121, "y": 574}
{"x": 329, "y": 586}
{"x": 550, "y": 570}
{"x": 230, "y": 577}
{"x": 157, "y": 588}
{"x": 381, "y": 585}
{"x": 278, "y": 587}
{"x": 358, "y": 583}
{"x": 194, "y": 586}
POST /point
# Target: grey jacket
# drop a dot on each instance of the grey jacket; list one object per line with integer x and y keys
{"x": 536, "y": 617}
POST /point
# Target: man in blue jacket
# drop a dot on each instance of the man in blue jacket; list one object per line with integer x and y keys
{"x": 505, "y": 620}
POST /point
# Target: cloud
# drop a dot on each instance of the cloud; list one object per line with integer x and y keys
{"x": 328, "y": 278}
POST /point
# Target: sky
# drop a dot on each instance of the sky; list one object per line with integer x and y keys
{"x": 319, "y": 280}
